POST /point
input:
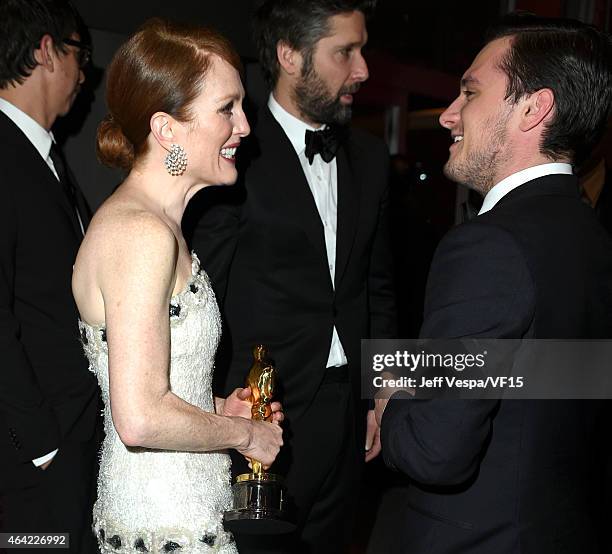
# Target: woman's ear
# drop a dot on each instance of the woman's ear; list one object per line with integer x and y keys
{"x": 164, "y": 129}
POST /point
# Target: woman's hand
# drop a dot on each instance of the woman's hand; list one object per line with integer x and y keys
{"x": 238, "y": 404}
{"x": 277, "y": 415}
{"x": 263, "y": 439}
{"x": 262, "y": 442}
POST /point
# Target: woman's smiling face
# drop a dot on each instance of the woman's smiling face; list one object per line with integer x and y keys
{"x": 218, "y": 125}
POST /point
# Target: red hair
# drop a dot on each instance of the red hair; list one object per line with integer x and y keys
{"x": 161, "y": 68}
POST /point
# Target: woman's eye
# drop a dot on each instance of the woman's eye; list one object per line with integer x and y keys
{"x": 227, "y": 109}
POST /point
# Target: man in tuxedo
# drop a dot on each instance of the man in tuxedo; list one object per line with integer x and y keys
{"x": 48, "y": 398}
{"x": 514, "y": 476}
{"x": 305, "y": 242}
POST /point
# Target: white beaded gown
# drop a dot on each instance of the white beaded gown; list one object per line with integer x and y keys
{"x": 165, "y": 501}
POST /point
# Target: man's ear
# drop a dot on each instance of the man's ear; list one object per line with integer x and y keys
{"x": 536, "y": 109}
{"x": 165, "y": 129}
{"x": 45, "y": 54}
{"x": 289, "y": 58}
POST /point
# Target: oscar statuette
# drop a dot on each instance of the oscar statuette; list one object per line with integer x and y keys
{"x": 259, "y": 497}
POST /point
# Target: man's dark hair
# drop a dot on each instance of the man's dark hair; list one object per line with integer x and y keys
{"x": 299, "y": 23}
{"x": 574, "y": 61}
{"x": 23, "y": 23}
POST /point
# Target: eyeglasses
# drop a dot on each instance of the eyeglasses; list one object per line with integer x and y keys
{"x": 84, "y": 53}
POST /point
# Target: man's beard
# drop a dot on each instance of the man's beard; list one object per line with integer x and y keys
{"x": 478, "y": 170}
{"x": 315, "y": 102}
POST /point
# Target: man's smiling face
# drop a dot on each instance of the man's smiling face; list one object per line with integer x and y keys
{"x": 478, "y": 120}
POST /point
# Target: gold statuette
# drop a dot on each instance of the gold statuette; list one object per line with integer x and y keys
{"x": 261, "y": 381}
{"x": 259, "y": 496}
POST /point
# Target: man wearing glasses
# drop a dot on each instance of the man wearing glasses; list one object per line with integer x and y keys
{"x": 48, "y": 399}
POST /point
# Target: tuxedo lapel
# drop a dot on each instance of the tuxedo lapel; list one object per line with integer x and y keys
{"x": 60, "y": 196}
{"x": 65, "y": 173}
{"x": 349, "y": 194}
{"x": 82, "y": 204}
{"x": 285, "y": 170}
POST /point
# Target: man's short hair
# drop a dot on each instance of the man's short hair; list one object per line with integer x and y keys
{"x": 299, "y": 23}
{"x": 572, "y": 59}
{"x": 23, "y": 23}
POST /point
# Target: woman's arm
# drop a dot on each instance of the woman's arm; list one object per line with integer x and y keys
{"x": 137, "y": 274}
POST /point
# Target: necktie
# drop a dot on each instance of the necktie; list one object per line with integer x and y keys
{"x": 325, "y": 143}
{"x": 64, "y": 178}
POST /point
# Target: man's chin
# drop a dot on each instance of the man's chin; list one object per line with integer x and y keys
{"x": 449, "y": 172}
{"x": 343, "y": 115}
{"x": 67, "y": 107}
{"x": 452, "y": 173}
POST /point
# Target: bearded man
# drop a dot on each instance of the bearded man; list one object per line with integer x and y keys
{"x": 302, "y": 260}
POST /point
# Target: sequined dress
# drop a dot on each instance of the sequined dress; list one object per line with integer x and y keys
{"x": 164, "y": 501}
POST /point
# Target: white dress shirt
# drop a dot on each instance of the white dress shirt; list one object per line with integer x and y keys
{"x": 37, "y": 135}
{"x": 322, "y": 179}
{"x": 520, "y": 178}
{"x": 41, "y": 139}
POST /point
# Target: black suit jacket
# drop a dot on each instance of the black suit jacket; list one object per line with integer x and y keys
{"x": 509, "y": 476}
{"x": 47, "y": 394}
{"x": 279, "y": 287}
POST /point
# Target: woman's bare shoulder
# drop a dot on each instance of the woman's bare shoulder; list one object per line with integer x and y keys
{"x": 124, "y": 238}
{"x": 127, "y": 249}
{"x": 123, "y": 226}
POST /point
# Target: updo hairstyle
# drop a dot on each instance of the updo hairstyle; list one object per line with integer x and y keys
{"x": 161, "y": 68}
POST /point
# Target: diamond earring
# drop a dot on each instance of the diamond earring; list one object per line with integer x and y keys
{"x": 176, "y": 160}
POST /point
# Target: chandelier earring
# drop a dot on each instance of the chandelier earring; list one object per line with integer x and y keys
{"x": 176, "y": 160}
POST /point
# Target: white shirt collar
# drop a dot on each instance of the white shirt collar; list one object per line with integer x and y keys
{"x": 294, "y": 128}
{"x": 520, "y": 178}
{"x": 37, "y": 135}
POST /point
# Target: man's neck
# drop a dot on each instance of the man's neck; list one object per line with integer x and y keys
{"x": 30, "y": 101}
{"x": 285, "y": 99}
{"x": 521, "y": 164}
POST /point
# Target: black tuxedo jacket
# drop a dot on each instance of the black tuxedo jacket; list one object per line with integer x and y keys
{"x": 279, "y": 286}
{"x": 47, "y": 394}
{"x": 509, "y": 476}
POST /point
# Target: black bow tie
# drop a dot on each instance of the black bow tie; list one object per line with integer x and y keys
{"x": 325, "y": 143}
